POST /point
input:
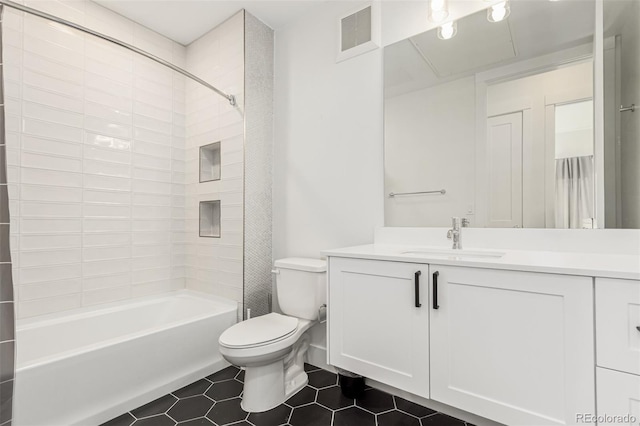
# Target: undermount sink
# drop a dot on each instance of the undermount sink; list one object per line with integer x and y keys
{"x": 459, "y": 254}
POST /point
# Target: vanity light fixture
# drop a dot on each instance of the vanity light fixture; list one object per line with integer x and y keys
{"x": 438, "y": 10}
{"x": 448, "y": 30}
{"x": 498, "y": 12}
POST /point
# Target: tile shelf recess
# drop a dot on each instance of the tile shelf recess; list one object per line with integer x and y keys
{"x": 210, "y": 219}
{"x": 215, "y": 400}
{"x": 210, "y": 162}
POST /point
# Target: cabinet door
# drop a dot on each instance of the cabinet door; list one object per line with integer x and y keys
{"x": 375, "y": 328}
{"x": 513, "y": 347}
{"x": 618, "y": 397}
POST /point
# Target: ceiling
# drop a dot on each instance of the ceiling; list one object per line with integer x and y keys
{"x": 533, "y": 29}
{"x": 186, "y": 20}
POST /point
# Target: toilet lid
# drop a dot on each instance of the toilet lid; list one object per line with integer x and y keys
{"x": 259, "y": 331}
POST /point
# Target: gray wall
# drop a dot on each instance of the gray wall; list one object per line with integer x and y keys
{"x": 7, "y": 318}
{"x": 258, "y": 53}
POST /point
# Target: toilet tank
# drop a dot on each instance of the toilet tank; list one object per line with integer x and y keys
{"x": 301, "y": 286}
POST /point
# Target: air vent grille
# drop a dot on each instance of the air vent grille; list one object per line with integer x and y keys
{"x": 355, "y": 29}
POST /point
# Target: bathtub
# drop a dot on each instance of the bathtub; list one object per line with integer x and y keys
{"x": 87, "y": 366}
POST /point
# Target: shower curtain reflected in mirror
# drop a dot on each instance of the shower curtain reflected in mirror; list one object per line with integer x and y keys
{"x": 574, "y": 165}
{"x": 574, "y": 192}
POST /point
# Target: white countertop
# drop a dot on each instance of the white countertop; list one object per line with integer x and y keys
{"x": 568, "y": 263}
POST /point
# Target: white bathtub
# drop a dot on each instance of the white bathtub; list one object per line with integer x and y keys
{"x": 87, "y": 366}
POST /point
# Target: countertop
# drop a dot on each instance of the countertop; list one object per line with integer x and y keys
{"x": 568, "y": 263}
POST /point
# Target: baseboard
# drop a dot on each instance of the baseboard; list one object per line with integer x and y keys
{"x": 317, "y": 356}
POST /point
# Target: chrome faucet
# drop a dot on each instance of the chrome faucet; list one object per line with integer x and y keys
{"x": 455, "y": 233}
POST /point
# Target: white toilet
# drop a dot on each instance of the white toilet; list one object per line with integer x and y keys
{"x": 272, "y": 347}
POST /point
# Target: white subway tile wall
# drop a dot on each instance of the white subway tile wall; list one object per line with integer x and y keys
{"x": 99, "y": 169}
{"x": 215, "y": 265}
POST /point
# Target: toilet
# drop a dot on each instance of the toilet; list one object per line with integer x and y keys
{"x": 271, "y": 348}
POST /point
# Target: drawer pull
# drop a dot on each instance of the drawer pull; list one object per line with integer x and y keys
{"x": 435, "y": 290}
{"x": 417, "y": 288}
{"x": 638, "y": 328}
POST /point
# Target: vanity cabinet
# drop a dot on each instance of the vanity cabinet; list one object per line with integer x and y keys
{"x": 514, "y": 347}
{"x": 376, "y": 327}
{"x": 618, "y": 348}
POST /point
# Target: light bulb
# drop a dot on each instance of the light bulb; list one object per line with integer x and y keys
{"x": 438, "y": 10}
{"x": 498, "y": 12}
{"x": 448, "y": 30}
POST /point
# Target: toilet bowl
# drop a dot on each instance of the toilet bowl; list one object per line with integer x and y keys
{"x": 272, "y": 348}
{"x": 272, "y": 354}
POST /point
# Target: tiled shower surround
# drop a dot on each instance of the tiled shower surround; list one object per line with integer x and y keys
{"x": 215, "y": 265}
{"x": 103, "y": 167}
{"x": 7, "y": 318}
{"x": 95, "y": 135}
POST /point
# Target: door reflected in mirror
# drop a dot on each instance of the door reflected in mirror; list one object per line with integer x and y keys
{"x": 501, "y": 117}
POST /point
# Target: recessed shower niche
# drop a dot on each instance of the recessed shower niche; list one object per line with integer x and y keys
{"x": 210, "y": 219}
{"x": 210, "y": 162}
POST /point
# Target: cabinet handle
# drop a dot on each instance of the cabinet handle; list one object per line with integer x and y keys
{"x": 435, "y": 290}
{"x": 417, "y": 288}
{"x": 638, "y": 328}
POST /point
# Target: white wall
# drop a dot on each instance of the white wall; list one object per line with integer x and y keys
{"x": 430, "y": 145}
{"x": 328, "y": 139}
{"x": 327, "y": 188}
{"x": 90, "y": 129}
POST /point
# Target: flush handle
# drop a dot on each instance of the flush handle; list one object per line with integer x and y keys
{"x": 416, "y": 282}
{"x": 322, "y": 314}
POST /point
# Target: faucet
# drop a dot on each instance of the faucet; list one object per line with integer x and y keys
{"x": 455, "y": 233}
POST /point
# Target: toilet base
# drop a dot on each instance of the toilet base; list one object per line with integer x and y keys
{"x": 263, "y": 387}
{"x": 267, "y": 386}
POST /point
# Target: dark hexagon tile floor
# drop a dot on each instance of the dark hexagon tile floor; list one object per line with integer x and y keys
{"x": 215, "y": 401}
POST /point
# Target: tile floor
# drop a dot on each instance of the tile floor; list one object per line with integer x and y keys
{"x": 215, "y": 400}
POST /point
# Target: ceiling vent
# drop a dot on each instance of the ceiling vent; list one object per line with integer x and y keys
{"x": 356, "y": 33}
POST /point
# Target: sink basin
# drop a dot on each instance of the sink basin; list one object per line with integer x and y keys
{"x": 457, "y": 254}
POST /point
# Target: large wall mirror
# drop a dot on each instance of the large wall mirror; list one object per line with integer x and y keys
{"x": 494, "y": 121}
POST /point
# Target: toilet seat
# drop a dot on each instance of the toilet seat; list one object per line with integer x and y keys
{"x": 260, "y": 331}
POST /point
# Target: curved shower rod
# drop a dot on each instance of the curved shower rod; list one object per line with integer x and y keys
{"x": 32, "y": 11}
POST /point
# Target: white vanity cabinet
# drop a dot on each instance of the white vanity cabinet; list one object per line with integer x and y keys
{"x": 618, "y": 348}
{"x": 375, "y": 327}
{"x": 514, "y": 347}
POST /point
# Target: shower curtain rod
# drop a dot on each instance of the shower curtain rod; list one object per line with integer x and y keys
{"x": 27, "y": 9}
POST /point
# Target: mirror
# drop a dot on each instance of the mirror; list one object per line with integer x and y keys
{"x": 496, "y": 124}
{"x": 621, "y": 113}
